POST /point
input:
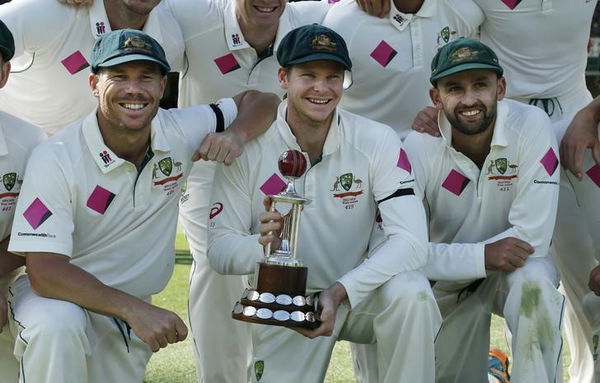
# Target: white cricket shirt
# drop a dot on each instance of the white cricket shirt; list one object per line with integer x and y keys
{"x": 391, "y": 57}
{"x": 48, "y": 85}
{"x": 81, "y": 200}
{"x": 362, "y": 163}
{"x": 515, "y": 194}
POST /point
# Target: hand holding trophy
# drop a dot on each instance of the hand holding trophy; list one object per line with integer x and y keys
{"x": 279, "y": 297}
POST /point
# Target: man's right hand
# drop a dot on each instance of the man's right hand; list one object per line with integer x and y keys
{"x": 157, "y": 327}
{"x": 3, "y": 312}
{"x": 507, "y": 254}
{"x": 377, "y": 8}
{"x": 426, "y": 121}
{"x": 594, "y": 283}
{"x": 77, "y": 3}
{"x": 271, "y": 223}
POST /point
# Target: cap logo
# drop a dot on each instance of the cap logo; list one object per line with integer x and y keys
{"x": 323, "y": 42}
{"x": 463, "y": 54}
{"x": 137, "y": 44}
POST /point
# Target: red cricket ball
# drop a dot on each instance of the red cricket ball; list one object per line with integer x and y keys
{"x": 292, "y": 163}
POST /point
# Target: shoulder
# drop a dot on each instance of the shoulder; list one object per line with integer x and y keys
{"x": 365, "y": 134}
{"x": 307, "y": 12}
{"x": 525, "y": 120}
{"x": 341, "y": 12}
{"x": 197, "y": 16}
{"x": 423, "y": 147}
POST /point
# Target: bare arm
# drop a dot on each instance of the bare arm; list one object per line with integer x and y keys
{"x": 426, "y": 121}
{"x": 378, "y": 8}
{"x": 256, "y": 112}
{"x": 581, "y": 135}
{"x": 53, "y": 276}
{"x": 77, "y": 3}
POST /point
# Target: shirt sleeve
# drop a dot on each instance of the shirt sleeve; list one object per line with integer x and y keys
{"x": 232, "y": 248}
{"x": 403, "y": 223}
{"x": 44, "y": 215}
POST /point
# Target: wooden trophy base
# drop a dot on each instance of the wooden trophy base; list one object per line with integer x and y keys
{"x": 279, "y": 298}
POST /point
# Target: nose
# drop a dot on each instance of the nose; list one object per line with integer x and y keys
{"x": 133, "y": 86}
{"x": 319, "y": 85}
{"x": 470, "y": 98}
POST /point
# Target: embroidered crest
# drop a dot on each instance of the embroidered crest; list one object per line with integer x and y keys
{"x": 259, "y": 368}
{"x": 137, "y": 44}
{"x": 166, "y": 166}
{"x": 323, "y": 42}
{"x": 9, "y": 180}
{"x": 346, "y": 181}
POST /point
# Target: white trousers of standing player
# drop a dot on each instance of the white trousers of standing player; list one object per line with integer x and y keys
{"x": 9, "y": 365}
{"x": 401, "y": 316}
{"x": 59, "y": 341}
{"x": 222, "y": 346}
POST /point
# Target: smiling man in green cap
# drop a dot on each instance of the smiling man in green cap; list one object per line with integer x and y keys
{"x": 490, "y": 185}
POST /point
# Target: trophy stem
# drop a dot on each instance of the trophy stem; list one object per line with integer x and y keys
{"x": 296, "y": 208}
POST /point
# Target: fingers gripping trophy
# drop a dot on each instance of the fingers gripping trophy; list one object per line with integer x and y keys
{"x": 279, "y": 297}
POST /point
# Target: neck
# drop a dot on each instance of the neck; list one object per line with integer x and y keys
{"x": 259, "y": 37}
{"x": 130, "y": 146}
{"x": 310, "y": 136}
{"x": 408, "y": 6}
{"x": 476, "y": 147}
{"x": 120, "y": 17}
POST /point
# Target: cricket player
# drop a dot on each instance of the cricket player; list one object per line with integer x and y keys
{"x": 53, "y": 43}
{"x": 97, "y": 217}
{"x": 356, "y": 166}
{"x": 17, "y": 140}
{"x": 490, "y": 187}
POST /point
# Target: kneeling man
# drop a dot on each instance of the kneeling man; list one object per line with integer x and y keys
{"x": 355, "y": 167}
{"x": 490, "y": 185}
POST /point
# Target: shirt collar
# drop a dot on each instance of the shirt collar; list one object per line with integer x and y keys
{"x": 499, "y": 136}
{"x": 100, "y": 25}
{"x": 332, "y": 141}
{"x": 401, "y": 20}
{"x": 105, "y": 158}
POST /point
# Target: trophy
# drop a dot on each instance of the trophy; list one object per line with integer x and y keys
{"x": 279, "y": 296}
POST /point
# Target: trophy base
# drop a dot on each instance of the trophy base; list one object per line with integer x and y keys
{"x": 276, "y": 310}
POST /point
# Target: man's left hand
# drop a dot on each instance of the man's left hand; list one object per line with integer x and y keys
{"x": 3, "y": 312}
{"x": 222, "y": 147}
{"x": 329, "y": 301}
{"x": 594, "y": 283}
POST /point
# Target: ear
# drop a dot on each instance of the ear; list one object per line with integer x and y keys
{"x": 501, "y": 91}
{"x": 282, "y": 76}
{"x": 163, "y": 85}
{"x": 93, "y": 83}
{"x": 5, "y": 72}
{"x": 434, "y": 94}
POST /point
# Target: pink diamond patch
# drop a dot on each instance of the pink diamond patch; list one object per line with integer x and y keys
{"x": 383, "y": 53}
{"x": 227, "y": 63}
{"x": 455, "y": 182}
{"x": 549, "y": 162}
{"x": 100, "y": 199}
{"x": 75, "y": 62}
{"x": 512, "y": 4}
{"x": 273, "y": 185}
{"x": 403, "y": 162}
{"x": 594, "y": 174}
{"x": 37, "y": 213}
{"x": 332, "y": 1}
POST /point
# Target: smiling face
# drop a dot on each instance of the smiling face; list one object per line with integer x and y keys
{"x": 128, "y": 95}
{"x": 469, "y": 99}
{"x": 313, "y": 91}
{"x": 261, "y": 13}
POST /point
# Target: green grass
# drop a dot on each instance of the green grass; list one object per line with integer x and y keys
{"x": 175, "y": 364}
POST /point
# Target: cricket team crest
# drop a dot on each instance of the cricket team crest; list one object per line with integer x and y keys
{"x": 446, "y": 35}
{"x": 351, "y": 187}
{"x": 259, "y": 368}
{"x": 503, "y": 172}
{"x": 161, "y": 174}
{"x": 8, "y": 199}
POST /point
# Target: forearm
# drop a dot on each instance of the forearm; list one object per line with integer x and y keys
{"x": 8, "y": 260}
{"x": 256, "y": 112}
{"x": 234, "y": 254}
{"x": 455, "y": 261}
{"x": 52, "y": 276}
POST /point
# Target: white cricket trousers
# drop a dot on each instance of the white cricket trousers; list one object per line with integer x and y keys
{"x": 222, "y": 346}
{"x": 401, "y": 316}
{"x": 59, "y": 341}
{"x": 9, "y": 365}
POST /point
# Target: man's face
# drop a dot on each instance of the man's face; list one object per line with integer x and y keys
{"x": 128, "y": 94}
{"x": 469, "y": 99}
{"x": 140, "y": 7}
{"x": 313, "y": 90}
{"x": 264, "y": 13}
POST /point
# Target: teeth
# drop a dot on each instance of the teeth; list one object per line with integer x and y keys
{"x": 318, "y": 101}
{"x": 263, "y": 9}
{"x": 470, "y": 112}
{"x": 134, "y": 106}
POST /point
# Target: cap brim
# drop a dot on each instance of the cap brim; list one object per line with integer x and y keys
{"x": 133, "y": 57}
{"x": 318, "y": 57}
{"x": 464, "y": 67}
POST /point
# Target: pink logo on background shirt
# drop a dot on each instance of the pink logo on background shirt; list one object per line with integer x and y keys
{"x": 549, "y": 162}
{"x": 273, "y": 185}
{"x": 594, "y": 174}
{"x": 383, "y": 53}
{"x": 455, "y": 182}
{"x": 512, "y": 4}
{"x": 100, "y": 199}
{"x": 227, "y": 63}
{"x": 37, "y": 213}
{"x": 75, "y": 62}
{"x": 332, "y": 1}
{"x": 403, "y": 162}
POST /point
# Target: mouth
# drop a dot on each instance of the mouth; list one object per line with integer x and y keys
{"x": 265, "y": 9}
{"x": 318, "y": 101}
{"x": 133, "y": 106}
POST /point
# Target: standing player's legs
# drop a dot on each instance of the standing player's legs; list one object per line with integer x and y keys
{"x": 9, "y": 365}
{"x": 591, "y": 304}
{"x": 533, "y": 312}
{"x": 222, "y": 346}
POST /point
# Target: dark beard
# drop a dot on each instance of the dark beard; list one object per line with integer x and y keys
{"x": 469, "y": 129}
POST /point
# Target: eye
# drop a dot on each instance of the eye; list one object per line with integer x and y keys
{"x": 453, "y": 89}
{"x": 480, "y": 85}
